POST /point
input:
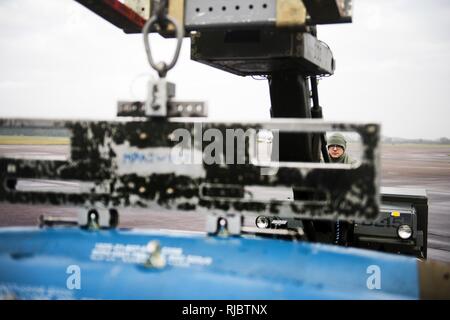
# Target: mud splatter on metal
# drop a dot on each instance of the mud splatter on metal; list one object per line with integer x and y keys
{"x": 349, "y": 193}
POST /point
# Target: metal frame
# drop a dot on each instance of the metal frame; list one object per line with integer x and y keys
{"x": 262, "y": 52}
{"x": 98, "y": 152}
{"x": 197, "y": 15}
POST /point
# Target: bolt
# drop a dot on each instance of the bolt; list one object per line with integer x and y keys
{"x": 222, "y": 222}
{"x": 152, "y": 246}
{"x": 155, "y": 258}
{"x": 371, "y": 129}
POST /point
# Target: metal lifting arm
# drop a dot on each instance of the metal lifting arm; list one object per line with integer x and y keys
{"x": 198, "y": 15}
{"x": 276, "y": 38}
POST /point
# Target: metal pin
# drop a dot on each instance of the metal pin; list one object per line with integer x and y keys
{"x": 11, "y": 168}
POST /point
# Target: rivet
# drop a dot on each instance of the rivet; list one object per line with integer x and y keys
{"x": 371, "y": 129}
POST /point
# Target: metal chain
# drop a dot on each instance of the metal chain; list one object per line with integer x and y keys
{"x": 159, "y": 17}
{"x": 338, "y": 233}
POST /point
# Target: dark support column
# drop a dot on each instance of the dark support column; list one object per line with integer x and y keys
{"x": 290, "y": 98}
{"x": 319, "y": 143}
{"x": 289, "y": 95}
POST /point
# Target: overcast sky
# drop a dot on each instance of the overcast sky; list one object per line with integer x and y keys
{"x": 59, "y": 60}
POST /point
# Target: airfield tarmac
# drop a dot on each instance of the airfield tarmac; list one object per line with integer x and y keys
{"x": 411, "y": 166}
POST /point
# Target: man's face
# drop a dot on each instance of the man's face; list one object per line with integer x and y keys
{"x": 335, "y": 151}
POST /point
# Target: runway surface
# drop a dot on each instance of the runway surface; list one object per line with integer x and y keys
{"x": 411, "y": 166}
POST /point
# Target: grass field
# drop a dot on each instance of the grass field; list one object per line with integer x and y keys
{"x": 34, "y": 140}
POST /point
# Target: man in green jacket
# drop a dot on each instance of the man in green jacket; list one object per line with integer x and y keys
{"x": 337, "y": 145}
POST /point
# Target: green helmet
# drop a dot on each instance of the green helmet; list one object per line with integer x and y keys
{"x": 337, "y": 139}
